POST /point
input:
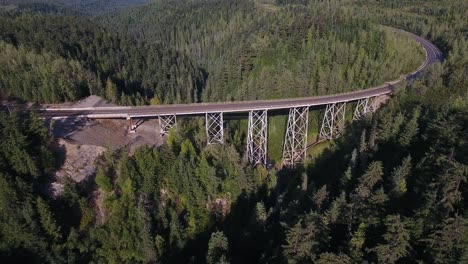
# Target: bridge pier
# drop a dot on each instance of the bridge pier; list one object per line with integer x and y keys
{"x": 214, "y": 128}
{"x": 257, "y": 137}
{"x": 295, "y": 142}
{"x": 131, "y": 125}
{"x": 166, "y": 122}
{"x": 363, "y": 107}
{"x": 333, "y": 121}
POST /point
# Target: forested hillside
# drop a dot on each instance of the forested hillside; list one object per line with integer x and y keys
{"x": 256, "y": 51}
{"x": 95, "y": 62}
{"x": 88, "y": 7}
{"x": 392, "y": 189}
{"x": 200, "y": 51}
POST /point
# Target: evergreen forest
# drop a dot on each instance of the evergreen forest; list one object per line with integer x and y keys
{"x": 391, "y": 189}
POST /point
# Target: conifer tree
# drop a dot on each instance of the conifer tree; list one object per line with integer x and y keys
{"x": 397, "y": 238}
{"x": 218, "y": 249}
{"x": 399, "y": 177}
{"x": 305, "y": 239}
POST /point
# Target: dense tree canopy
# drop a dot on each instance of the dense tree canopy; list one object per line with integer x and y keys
{"x": 206, "y": 50}
{"x": 255, "y": 51}
{"x": 87, "y": 7}
{"x": 392, "y": 189}
{"x": 50, "y": 44}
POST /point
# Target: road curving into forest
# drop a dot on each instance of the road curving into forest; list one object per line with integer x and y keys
{"x": 433, "y": 55}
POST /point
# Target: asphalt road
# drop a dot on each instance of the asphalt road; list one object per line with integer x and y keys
{"x": 433, "y": 55}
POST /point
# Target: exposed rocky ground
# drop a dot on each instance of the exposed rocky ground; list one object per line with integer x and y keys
{"x": 81, "y": 141}
{"x": 108, "y": 133}
{"x": 78, "y": 165}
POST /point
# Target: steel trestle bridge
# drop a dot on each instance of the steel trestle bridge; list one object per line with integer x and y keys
{"x": 295, "y": 143}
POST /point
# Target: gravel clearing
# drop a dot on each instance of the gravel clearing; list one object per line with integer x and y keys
{"x": 81, "y": 141}
{"x": 93, "y": 101}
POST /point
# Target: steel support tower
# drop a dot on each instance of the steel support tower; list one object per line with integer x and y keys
{"x": 214, "y": 128}
{"x": 257, "y": 137}
{"x": 333, "y": 121}
{"x": 295, "y": 142}
{"x": 166, "y": 122}
{"x": 363, "y": 107}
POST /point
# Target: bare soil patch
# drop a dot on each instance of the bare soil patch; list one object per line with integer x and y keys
{"x": 108, "y": 133}
{"x": 81, "y": 141}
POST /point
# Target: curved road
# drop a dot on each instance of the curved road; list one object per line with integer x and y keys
{"x": 433, "y": 55}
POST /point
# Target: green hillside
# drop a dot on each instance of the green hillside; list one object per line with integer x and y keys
{"x": 391, "y": 189}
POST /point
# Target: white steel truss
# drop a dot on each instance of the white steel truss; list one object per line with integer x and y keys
{"x": 257, "y": 137}
{"x": 166, "y": 122}
{"x": 214, "y": 128}
{"x": 364, "y": 106}
{"x": 295, "y": 142}
{"x": 333, "y": 121}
